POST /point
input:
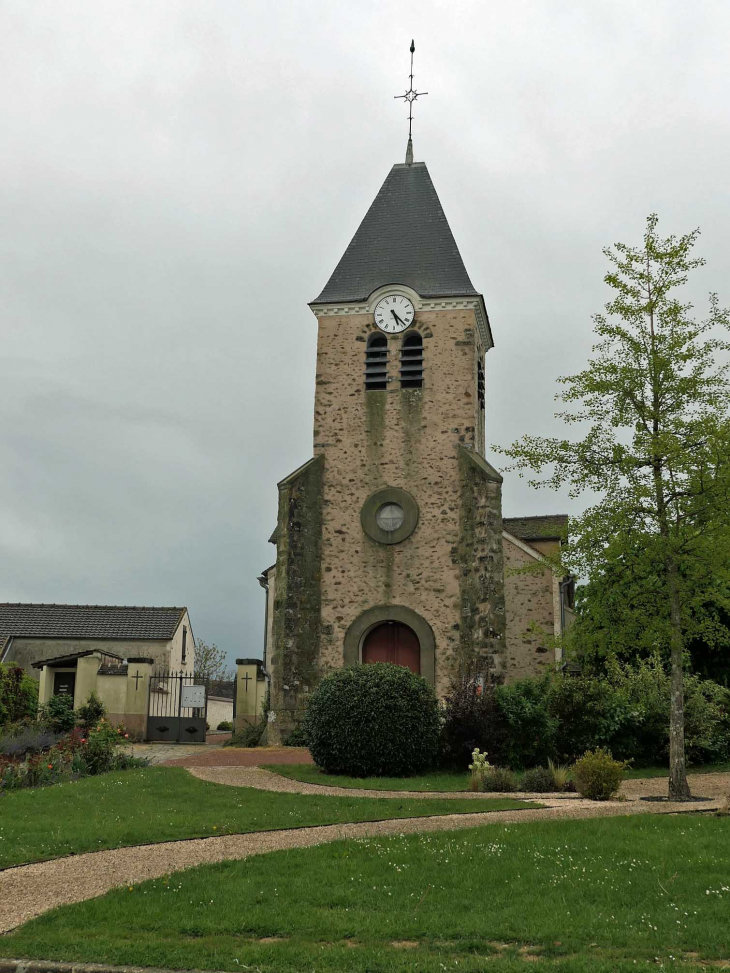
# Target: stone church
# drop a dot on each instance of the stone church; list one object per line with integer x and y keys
{"x": 390, "y": 541}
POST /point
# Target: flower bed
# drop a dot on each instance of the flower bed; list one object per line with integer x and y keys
{"x": 52, "y": 749}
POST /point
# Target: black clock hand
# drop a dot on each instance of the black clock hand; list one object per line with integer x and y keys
{"x": 397, "y": 318}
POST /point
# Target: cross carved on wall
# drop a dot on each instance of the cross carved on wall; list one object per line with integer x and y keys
{"x": 137, "y": 678}
{"x": 245, "y": 679}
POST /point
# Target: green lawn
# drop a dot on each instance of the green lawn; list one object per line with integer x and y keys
{"x": 167, "y": 803}
{"x": 438, "y": 780}
{"x": 585, "y": 896}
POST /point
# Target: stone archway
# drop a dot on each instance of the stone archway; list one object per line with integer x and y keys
{"x": 374, "y": 617}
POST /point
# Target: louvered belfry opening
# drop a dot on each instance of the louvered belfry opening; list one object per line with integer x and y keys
{"x": 411, "y": 362}
{"x": 480, "y": 384}
{"x": 376, "y": 363}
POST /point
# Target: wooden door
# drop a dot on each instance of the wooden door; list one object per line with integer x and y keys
{"x": 393, "y": 642}
{"x": 64, "y": 684}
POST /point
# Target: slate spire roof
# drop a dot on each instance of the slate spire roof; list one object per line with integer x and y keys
{"x": 404, "y": 239}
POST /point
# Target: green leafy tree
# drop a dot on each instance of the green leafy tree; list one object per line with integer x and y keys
{"x": 656, "y": 450}
{"x": 622, "y": 610}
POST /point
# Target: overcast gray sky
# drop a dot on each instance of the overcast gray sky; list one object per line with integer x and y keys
{"x": 179, "y": 177}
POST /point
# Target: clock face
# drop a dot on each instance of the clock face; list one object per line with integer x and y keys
{"x": 394, "y": 313}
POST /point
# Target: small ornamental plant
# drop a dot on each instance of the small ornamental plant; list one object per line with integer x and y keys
{"x": 58, "y": 714}
{"x": 559, "y": 774}
{"x": 88, "y": 715}
{"x": 538, "y": 780}
{"x": 597, "y": 775}
{"x": 479, "y": 766}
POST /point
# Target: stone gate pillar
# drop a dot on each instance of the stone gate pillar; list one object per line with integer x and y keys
{"x": 250, "y": 692}
{"x": 139, "y": 669}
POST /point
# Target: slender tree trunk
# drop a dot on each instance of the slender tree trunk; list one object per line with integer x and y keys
{"x": 678, "y": 786}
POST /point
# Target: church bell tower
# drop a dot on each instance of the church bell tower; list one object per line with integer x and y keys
{"x": 389, "y": 539}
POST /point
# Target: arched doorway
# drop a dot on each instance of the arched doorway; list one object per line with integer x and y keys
{"x": 393, "y": 642}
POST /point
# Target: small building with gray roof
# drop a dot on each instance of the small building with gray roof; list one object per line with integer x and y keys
{"x": 32, "y": 633}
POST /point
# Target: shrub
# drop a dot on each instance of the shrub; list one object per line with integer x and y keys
{"x": 373, "y": 720}
{"x": 590, "y": 712}
{"x": 125, "y": 761}
{"x": 297, "y": 738}
{"x": 529, "y": 729}
{"x": 225, "y": 725}
{"x": 18, "y": 694}
{"x": 248, "y": 736}
{"x": 625, "y": 710}
{"x": 706, "y": 720}
{"x": 88, "y": 715}
{"x": 469, "y": 721}
{"x": 499, "y": 780}
{"x": 644, "y": 736}
{"x": 597, "y": 775}
{"x": 58, "y": 714}
{"x": 251, "y": 733}
{"x": 537, "y": 780}
{"x": 101, "y": 750}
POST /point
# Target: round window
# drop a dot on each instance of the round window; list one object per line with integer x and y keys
{"x": 390, "y": 517}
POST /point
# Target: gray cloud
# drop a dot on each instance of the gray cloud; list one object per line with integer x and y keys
{"x": 179, "y": 178}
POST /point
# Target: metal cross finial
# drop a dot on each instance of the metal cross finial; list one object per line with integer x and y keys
{"x": 410, "y": 96}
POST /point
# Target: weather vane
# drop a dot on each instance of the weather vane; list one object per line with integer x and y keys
{"x": 410, "y": 96}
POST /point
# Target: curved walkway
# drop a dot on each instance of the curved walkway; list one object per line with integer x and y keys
{"x": 712, "y": 786}
{"x": 29, "y": 890}
{"x": 266, "y": 780}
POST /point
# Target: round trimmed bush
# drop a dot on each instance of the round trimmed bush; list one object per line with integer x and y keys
{"x": 597, "y": 775}
{"x": 374, "y": 720}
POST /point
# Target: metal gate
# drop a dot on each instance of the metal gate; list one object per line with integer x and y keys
{"x": 177, "y": 707}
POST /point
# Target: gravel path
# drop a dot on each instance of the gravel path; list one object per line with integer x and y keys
{"x": 239, "y": 757}
{"x": 265, "y": 780}
{"x": 160, "y": 753}
{"x": 701, "y": 785}
{"x": 29, "y": 890}
{"x": 716, "y": 786}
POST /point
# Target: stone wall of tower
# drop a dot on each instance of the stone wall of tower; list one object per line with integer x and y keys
{"x": 532, "y": 600}
{"x": 479, "y": 553}
{"x": 294, "y": 649}
{"x": 450, "y": 569}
